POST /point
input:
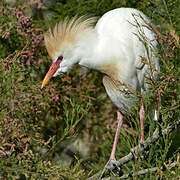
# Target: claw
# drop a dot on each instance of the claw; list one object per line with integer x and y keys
{"x": 114, "y": 166}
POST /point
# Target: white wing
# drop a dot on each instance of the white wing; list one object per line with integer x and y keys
{"x": 122, "y": 96}
{"x": 124, "y": 35}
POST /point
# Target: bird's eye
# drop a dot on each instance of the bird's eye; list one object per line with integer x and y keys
{"x": 60, "y": 58}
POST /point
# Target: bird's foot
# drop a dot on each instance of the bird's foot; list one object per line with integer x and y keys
{"x": 111, "y": 166}
{"x": 141, "y": 145}
{"x": 114, "y": 166}
{"x": 139, "y": 151}
{"x": 144, "y": 153}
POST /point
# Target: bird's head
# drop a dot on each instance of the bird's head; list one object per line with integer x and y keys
{"x": 62, "y": 44}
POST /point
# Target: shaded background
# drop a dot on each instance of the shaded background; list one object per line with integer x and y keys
{"x": 65, "y": 131}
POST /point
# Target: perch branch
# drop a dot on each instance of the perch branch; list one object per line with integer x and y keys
{"x": 145, "y": 171}
{"x": 141, "y": 172}
{"x": 139, "y": 149}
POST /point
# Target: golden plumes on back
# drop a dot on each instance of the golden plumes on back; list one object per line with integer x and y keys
{"x": 66, "y": 32}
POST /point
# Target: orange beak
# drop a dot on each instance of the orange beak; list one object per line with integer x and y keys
{"x": 52, "y": 70}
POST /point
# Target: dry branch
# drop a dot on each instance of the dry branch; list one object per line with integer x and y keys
{"x": 135, "y": 152}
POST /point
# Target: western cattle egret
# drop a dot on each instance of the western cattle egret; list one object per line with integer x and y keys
{"x": 121, "y": 46}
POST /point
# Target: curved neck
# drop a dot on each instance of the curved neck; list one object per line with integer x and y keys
{"x": 86, "y": 49}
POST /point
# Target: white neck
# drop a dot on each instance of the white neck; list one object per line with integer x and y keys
{"x": 92, "y": 52}
{"x": 86, "y": 49}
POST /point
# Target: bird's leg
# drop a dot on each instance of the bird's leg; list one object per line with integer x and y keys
{"x": 120, "y": 122}
{"x": 110, "y": 164}
{"x": 141, "y": 116}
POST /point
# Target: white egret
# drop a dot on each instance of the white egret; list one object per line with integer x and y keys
{"x": 120, "y": 45}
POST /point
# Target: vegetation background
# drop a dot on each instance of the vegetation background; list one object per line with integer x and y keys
{"x": 65, "y": 131}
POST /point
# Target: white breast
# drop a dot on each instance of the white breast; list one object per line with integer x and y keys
{"x": 119, "y": 32}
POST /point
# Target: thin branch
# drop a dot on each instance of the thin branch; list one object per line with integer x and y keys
{"x": 137, "y": 150}
{"x": 141, "y": 172}
{"x": 145, "y": 171}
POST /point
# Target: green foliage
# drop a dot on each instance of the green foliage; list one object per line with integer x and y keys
{"x": 36, "y": 126}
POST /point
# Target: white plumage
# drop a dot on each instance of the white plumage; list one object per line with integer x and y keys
{"x": 116, "y": 49}
{"x": 122, "y": 46}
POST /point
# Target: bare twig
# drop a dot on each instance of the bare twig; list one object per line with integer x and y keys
{"x": 141, "y": 172}
{"x": 145, "y": 171}
{"x": 139, "y": 149}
